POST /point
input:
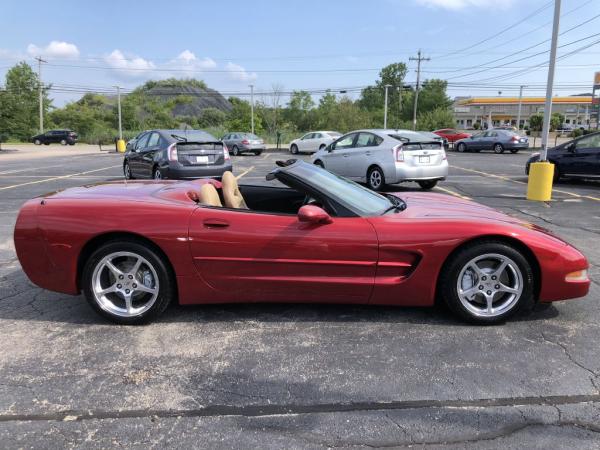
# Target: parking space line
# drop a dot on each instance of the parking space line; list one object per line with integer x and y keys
{"x": 265, "y": 156}
{"x": 57, "y": 178}
{"x": 244, "y": 173}
{"x": 501, "y": 177}
{"x": 456, "y": 194}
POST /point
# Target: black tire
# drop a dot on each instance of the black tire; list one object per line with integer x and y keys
{"x": 498, "y": 148}
{"x": 37, "y": 142}
{"x": 127, "y": 171}
{"x": 257, "y": 153}
{"x": 448, "y": 280}
{"x": 427, "y": 185}
{"x": 157, "y": 174}
{"x": 461, "y": 147}
{"x": 71, "y": 143}
{"x": 374, "y": 174}
{"x": 322, "y": 146}
{"x": 514, "y": 150}
{"x": 294, "y": 149}
{"x": 235, "y": 151}
{"x": 557, "y": 175}
{"x": 166, "y": 291}
{"x": 46, "y": 143}
{"x": 319, "y": 163}
{"x": 63, "y": 142}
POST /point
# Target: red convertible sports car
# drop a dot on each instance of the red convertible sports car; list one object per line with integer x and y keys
{"x": 133, "y": 247}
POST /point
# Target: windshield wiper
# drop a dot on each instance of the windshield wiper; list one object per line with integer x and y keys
{"x": 179, "y": 138}
{"x": 397, "y": 204}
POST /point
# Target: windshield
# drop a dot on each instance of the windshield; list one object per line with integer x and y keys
{"x": 250, "y": 136}
{"x": 355, "y": 197}
{"x": 192, "y": 136}
{"x": 333, "y": 134}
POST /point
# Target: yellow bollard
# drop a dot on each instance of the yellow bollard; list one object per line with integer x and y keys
{"x": 120, "y": 145}
{"x": 539, "y": 185}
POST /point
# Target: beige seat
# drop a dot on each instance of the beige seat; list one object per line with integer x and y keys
{"x": 231, "y": 192}
{"x": 209, "y": 195}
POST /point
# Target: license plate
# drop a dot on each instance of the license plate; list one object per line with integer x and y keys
{"x": 202, "y": 159}
{"x": 424, "y": 159}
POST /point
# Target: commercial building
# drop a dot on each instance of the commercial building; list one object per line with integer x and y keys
{"x": 504, "y": 110}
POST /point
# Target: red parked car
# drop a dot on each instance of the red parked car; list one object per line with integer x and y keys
{"x": 133, "y": 247}
{"x": 452, "y": 135}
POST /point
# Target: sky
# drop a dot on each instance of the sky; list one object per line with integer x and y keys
{"x": 309, "y": 44}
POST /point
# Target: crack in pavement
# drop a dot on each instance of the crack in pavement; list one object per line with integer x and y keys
{"x": 573, "y": 360}
{"x": 295, "y": 409}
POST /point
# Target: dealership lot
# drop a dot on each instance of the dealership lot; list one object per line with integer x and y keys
{"x": 297, "y": 375}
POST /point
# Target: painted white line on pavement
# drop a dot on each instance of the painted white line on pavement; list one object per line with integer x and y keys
{"x": 456, "y": 194}
{"x": 56, "y": 178}
{"x": 244, "y": 173}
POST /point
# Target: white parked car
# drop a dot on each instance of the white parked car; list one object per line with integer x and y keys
{"x": 380, "y": 157}
{"x": 313, "y": 141}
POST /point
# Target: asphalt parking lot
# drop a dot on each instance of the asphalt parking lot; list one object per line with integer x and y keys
{"x": 291, "y": 376}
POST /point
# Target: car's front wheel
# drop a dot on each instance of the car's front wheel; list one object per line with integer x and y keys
{"x": 461, "y": 147}
{"x": 127, "y": 282}
{"x": 487, "y": 282}
{"x": 127, "y": 171}
{"x": 375, "y": 179}
{"x": 427, "y": 185}
{"x": 294, "y": 149}
{"x": 498, "y": 148}
{"x": 37, "y": 142}
{"x": 63, "y": 142}
{"x": 157, "y": 174}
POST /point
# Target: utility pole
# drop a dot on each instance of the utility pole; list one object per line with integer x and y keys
{"x": 520, "y": 106}
{"x": 40, "y": 92}
{"x": 550, "y": 84}
{"x": 119, "y": 109}
{"x": 252, "y": 106}
{"x": 419, "y": 59}
{"x": 385, "y": 102}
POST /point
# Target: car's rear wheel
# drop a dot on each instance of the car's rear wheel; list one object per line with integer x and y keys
{"x": 37, "y": 142}
{"x": 487, "y": 282}
{"x": 157, "y": 174}
{"x": 127, "y": 282}
{"x": 63, "y": 142}
{"x": 127, "y": 171}
{"x": 235, "y": 151}
{"x": 294, "y": 149}
{"x": 461, "y": 147}
{"x": 319, "y": 163}
{"x": 427, "y": 185}
{"x": 498, "y": 148}
{"x": 375, "y": 179}
{"x": 257, "y": 153}
{"x": 514, "y": 150}
{"x": 556, "y": 176}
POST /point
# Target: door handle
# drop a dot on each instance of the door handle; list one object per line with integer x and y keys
{"x": 215, "y": 223}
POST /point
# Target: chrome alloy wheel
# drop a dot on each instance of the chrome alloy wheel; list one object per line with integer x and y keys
{"x": 125, "y": 284}
{"x": 490, "y": 285}
{"x": 375, "y": 179}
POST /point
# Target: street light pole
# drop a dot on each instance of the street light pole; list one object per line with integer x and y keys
{"x": 40, "y": 92}
{"x": 252, "y": 107}
{"x": 550, "y": 84}
{"x": 520, "y": 106}
{"x": 385, "y": 106}
{"x": 119, "y": 109}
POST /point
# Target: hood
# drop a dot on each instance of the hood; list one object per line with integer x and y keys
{"x": 441, "y": 206}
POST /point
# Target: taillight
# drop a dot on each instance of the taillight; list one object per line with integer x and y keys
{"x": 172, "y": 151}
{"x": 226, "y": 152}
{"x": 515, "y": 138}
{"x": 245, "y": 142}
{"x": 398, "y": 153}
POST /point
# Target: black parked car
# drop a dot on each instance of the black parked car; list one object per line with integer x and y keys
{"x": 63, "y": 137}
{"x": 577, "y": 158}
{"x": 176, "y": 154}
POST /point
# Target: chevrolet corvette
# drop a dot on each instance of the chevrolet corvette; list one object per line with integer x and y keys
{"x": 133, "y": 247}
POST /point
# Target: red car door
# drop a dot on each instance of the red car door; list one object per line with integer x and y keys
{"x": 248, "y": 256}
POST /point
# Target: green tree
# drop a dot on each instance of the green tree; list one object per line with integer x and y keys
{"x": 212, "y": 117}
{"x": 19, "y": 103}
{"x": 556, "y": 121}
{"x": 299, "y": 111}
{"x": 536, "y": 121}
{"x": 239, "y": 118}
{"x": 436, "y": 119}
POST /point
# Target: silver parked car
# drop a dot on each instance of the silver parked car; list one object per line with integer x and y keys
{"x": 495, "y": 139}
{"x": 240, "y": 142}
{"x": 380, "y": 157}
{"x": 313, "y": 141}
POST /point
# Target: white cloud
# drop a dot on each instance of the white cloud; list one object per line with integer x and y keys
{"x": 187, "y": 59}
{"x": 238, "y": 73}
{"x": 133, "y": 67}
{"x": 55, "y": 49}
{"x": 461, "y": 4}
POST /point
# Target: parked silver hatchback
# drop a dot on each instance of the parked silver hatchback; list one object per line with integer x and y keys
{"x": 380, "y": 157}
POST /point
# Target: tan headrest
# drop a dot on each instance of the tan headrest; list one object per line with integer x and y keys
{"x": 209, "y": 195}
{"x": 231, "y": 192}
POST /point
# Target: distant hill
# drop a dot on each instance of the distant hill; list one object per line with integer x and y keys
{"x": 198, "y": 96}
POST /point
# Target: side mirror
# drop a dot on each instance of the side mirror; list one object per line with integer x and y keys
{"x": 314, "y": 215}
{"x": 570, "y": 147}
